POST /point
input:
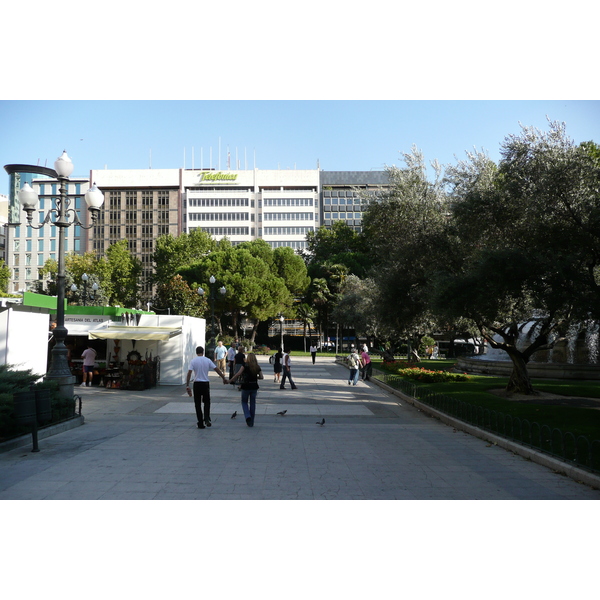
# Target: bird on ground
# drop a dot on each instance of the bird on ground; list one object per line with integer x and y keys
{"x": 234, "y": 415}
{"x": 282, "y": 412}
{"x": 321, "y": 423}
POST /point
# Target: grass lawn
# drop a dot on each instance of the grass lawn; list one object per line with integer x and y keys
{"x": 577, "y": 420}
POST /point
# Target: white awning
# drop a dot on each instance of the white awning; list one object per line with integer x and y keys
{"x": 134, "y": 333}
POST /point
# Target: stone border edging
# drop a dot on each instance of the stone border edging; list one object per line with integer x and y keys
{"x": 540, "y": 458}
{"x": 46, "y": 432}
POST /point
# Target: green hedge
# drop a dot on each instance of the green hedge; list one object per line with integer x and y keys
{"x": 11, "y": 381}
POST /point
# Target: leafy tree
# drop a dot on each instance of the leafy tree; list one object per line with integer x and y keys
{"x": 532, "y": 263}
{"x": 181, "y": 298}
{"x": 75, "y": 266}
{"x": 292, "y": 269}
{"x": 4, "y": 277}
{"x": 339, "y": 244}
{"x": 252, "y": 288}
{"x": 175, "y": 252}
{"x": 123, "y": 271}
{"x": 97, "y": 270}
{"x": 407, "y": 234}
{"x": 321, "y": 298}
{"x": 358, "y": 305}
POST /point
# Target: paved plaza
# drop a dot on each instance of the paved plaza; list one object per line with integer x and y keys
{"x": 145, "y": 445}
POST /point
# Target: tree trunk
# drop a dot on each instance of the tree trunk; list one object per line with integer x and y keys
{"x": 519, "y": 381}
{"x": 254, "y": 329}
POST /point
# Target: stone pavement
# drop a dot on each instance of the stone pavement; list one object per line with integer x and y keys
{"x": 145, "y": 445}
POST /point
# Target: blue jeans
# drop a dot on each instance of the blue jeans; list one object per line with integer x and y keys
{"x": 287, "y": 375}
{"x": 353, "y": 376}
{"x": 249, "y": 411}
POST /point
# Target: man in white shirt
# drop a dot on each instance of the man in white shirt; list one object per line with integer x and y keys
{"x": 287, "y": 367}
{"x": 231, "y": 359}
{"x": 200, "y": 367}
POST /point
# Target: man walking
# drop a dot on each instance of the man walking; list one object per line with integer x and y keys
{"x": 287, "y": 367}
{"x": 221, "y": 356}
{"x": 355, "y": 364}
{"x": 89, "y": 360}
{"x": 230, "y": 359}
{"x": 200, "y": 366}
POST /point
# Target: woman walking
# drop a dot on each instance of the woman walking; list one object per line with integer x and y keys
{"x": 249, "y": 374}
{"x": 238, "y": 361}
{"x": 277, "y": 366}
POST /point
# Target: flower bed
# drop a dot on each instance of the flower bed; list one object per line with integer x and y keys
{"x": 424, "y": 375}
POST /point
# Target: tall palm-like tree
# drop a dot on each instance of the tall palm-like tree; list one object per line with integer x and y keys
{"x": 306, "y": 314}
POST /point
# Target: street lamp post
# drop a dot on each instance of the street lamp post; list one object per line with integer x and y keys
{"x": 211, "y": 347}
{"x": 85, "y": 277}
{"x": 63, "y": 167}
{"x": 281, "y": 320}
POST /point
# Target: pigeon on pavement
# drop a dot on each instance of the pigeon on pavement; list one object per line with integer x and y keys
{"x": 321, "y": 423}
{"x": 234, "y": 415}
{"x": 282, "y": 412}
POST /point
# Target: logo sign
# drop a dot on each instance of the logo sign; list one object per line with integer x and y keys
{"x": 219, "y": 177}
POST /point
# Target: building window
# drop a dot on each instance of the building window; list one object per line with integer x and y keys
{"x": 114, "y": 201}
{"x": 130, "y": 199}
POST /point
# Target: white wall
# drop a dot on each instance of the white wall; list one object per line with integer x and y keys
{"x": 175, "y": 354}
{"x": 24, "y": 340}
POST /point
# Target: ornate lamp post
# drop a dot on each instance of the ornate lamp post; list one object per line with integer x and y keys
{"x": 211, "y": 347}
{"x": 281, "y": 320}
{"x": 85, "y": 277}
{"x": 63, "y": 167}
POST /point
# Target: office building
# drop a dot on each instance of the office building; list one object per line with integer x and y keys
{"x": 279, "y": 206}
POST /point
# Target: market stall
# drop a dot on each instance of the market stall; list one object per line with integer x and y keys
{"x": 151, "y": 349}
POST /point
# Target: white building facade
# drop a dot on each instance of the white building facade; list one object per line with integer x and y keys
{"x": 280, "y": 207}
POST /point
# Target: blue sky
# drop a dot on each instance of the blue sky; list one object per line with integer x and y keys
{"x": 286, "y": 134}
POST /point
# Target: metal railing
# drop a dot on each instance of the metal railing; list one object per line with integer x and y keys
{"x": 575, "y": 449}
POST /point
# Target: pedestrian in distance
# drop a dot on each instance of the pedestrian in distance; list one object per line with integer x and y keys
{"x": 230, "y": 359}
{"x": 249, "y": 375}
{"x": 89, "y": 360}
{"x": 355, "y": 364}
{"x": 367, "y": 368}
{"x": 239, "y": 360}
{"x": 277, "y": 365}
{"x": 200, "y": 366}
{"x": 220, "y": 356}
{"x": 287, "y": 371}
{"x": 313, "y": 352}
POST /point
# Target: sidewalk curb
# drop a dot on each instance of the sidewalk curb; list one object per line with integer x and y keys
{"x": 559, "y": 466}
{"x": 46, "y": 432}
